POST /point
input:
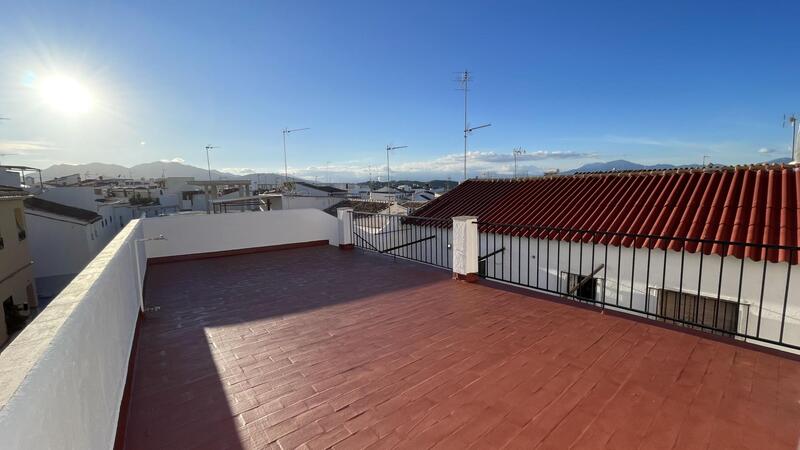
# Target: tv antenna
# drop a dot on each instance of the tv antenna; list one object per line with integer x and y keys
{"x": 389, "y": 148}
{"x": 286, "y": 131}
{"x": 517, "y": 151}
{"x": 208, "y": 161}
{"x": 792, "y": 121}
{"x": 464, "y": 79}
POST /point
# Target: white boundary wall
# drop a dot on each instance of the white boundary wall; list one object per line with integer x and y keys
{"x": 63, "y": 377}
{"x": 204, "y": 233}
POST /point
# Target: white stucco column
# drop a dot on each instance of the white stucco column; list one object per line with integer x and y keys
{"x": 465, "y": 248}
{"x": 345, "y": 216}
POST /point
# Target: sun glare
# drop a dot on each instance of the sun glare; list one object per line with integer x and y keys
{"x": 66, "y": 95}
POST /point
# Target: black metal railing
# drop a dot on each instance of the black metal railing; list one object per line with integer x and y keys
{"x": 240, "y": 206}
{"x": 416, "y": 238}
{"x": 743, "y": 290}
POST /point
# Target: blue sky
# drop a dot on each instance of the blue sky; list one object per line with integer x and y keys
{"x": 569, "y": 82}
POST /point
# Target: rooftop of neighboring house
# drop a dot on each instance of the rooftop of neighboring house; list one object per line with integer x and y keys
{"x": 413, "y": 205}
{"x": 220, "y": 182}
{"x": 12, "y": 192}
{"x": 78, "y": 214}
{"x": 358, "y": 206}
{"x": 323, "y": 188}
{"x": 749, "y": 204}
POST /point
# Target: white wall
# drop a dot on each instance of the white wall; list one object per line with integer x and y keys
{"x": 64, "y": 375}
{"x": 300, "y": 202}
{"x": 76, "y": 196}
{"x": 57, "y": 246}
{"x": 189, "y": 234}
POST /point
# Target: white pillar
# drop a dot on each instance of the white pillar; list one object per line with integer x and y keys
{"x": 345, "y": 216}
{"x": 465, "y": 248}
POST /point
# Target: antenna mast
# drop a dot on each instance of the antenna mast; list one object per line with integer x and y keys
{"x": 389, "y": 148}
{"x": 286, "y": 131}
{"x": 517, "y": 151}
{"x": 465, "y": 79}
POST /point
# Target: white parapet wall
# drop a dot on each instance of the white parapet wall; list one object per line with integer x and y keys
{"x": 210, "y": 233}
{"x": 62, "y": 379}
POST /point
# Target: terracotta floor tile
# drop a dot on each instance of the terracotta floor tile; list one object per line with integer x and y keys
{"x": 318, "y": 347}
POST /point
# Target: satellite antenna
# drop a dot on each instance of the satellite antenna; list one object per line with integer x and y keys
{"x": 792, "y": 121}
{"x": 517, "y": 151}
{"x": 389, "y": 148}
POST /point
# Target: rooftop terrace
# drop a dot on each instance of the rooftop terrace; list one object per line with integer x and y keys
{"x": 319, "y": 347}
{"x": 252, "y": 332}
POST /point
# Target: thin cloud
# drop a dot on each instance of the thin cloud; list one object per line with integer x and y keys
{"x": 27, "y": 147}
{"x": 239, "y": 170}
{"x": 174, "y": 160}
{"x": 479, "y": 163}
{"x": 766, "y": 151}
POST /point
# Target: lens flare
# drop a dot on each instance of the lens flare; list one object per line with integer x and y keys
{"x": 66, "y": 95}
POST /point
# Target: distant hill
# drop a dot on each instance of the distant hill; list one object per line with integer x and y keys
{"x": 619, "y": 164}
{"x": 433, "y": 184}
{"x": 154, "y": 169}
{"x": 786, "y": 160}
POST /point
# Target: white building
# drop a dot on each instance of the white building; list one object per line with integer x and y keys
{"x": 317, "y": 190}
{"x": 63, "y": 239}
{"x": 17, "y": 287}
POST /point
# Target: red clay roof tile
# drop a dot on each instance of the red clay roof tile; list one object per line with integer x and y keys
{"x": 746, "y": 205}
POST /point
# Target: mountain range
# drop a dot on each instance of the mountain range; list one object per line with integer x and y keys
{"x": 158, "y": 169}
{"x": 621, "y": 164}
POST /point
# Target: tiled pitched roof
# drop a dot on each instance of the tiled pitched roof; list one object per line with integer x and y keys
{"x": 83, "y": 215}
{"x": 754, "y": 205}
{"x": 358, "y": 206}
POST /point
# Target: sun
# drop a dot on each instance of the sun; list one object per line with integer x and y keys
{"x": 66, "y": 95}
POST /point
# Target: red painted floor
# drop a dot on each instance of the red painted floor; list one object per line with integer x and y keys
{"x": 318, "y": 348}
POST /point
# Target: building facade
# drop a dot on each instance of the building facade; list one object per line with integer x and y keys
{"x": 17, "y": 287}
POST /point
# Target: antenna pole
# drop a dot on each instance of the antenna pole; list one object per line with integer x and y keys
{"x": 465, "y": 80}
{"x": 208, "y": 161}
{"x": 795, "y": 156}
{"x": 388, "y": 149}
{"x": 285, "y": 165}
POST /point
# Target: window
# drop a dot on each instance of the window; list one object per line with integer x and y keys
{"x": 583, "y": 287}
{"x": 20, "y": 219}
{"x": 14, "y": 320}
{"x": 721, "y": 316}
